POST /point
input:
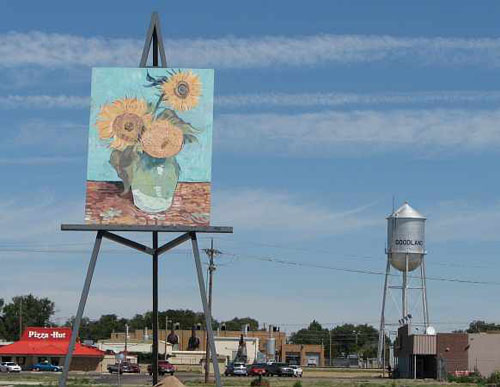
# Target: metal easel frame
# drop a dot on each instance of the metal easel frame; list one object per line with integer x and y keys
{"x": 153, "y": 38}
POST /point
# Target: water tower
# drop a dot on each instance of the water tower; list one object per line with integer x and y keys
{"x": 405, "y": 253}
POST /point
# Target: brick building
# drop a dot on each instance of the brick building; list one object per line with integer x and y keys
{"x": 304, "y": 355}
{"x": 436, "y": 356}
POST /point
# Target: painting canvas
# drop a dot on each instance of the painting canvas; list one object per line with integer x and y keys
{"x": 150, "y": 146}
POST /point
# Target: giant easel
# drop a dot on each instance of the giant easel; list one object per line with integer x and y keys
{"x": 153, "y": 38}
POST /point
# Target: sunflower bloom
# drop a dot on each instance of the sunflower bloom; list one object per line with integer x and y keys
{"x": 182, "y": 90}
{"x": 162, "y": 139}
{"x": 124, "y": 120}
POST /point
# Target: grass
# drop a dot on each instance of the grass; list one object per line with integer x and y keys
{"x": 328, "y": 378}
{"x": 237, "y": 382}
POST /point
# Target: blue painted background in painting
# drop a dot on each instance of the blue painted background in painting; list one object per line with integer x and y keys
{"x": 109, "y": 84}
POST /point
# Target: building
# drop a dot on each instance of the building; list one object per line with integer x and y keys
{"x": 226, "y": 343}
{"x": 227, "y": 348}
{"x": 435, "y": 356}
{"x": 51, "y": 344}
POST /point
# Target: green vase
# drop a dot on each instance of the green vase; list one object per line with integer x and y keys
{"x": 154, "y": 182}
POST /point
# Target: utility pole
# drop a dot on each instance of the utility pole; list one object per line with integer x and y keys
{"x": 211, "y": 252}
{"x": 20, "y": 317}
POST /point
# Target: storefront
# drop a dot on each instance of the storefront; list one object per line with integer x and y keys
{"x": 51, "y": 345}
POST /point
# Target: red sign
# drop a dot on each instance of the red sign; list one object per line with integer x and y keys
{"x": 36, "y": 334}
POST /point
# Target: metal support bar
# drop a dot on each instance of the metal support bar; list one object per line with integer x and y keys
{"x": 154, "y": 36}
{"x": 404, "y": 292}
{"x": 173, "y": 243}
{"x": 127, "y": 242}
{"x": 81, "y": 307}
{"x": 408, "y": 287}
{"x": 154, "y": 364}
{"x": 206, "y": 310}
{"x": 424, "y": 294}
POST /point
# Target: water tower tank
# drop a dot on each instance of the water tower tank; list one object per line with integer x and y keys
{"x": 406, "y": 238}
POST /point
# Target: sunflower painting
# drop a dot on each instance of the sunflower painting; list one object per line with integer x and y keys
{"x": 150, "y": 146}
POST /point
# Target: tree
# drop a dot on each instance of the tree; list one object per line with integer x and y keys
{"x": 237, "y": 323}
{"x": 99, "y": 329}
{"x": 478, "y": 326}
{"x": 33, "y": 310}
{"x": 313, "y": 334}
{"x": 355, "y": 339}
{"x": 185, "y": 317}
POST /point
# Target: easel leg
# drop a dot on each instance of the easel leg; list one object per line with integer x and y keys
{"x": 154, "y": 364}
{"x": 81, "y": 308}
{"x": 206, "y": 310}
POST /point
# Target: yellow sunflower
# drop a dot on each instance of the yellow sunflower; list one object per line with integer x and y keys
{"x": 182, "y": 90}
{"x": 162, "y": 139}
{"x": 124, "y": 121}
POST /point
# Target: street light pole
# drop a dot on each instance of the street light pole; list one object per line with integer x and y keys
{"x": 330, "y": 351}
{"x": 126, "y": 341}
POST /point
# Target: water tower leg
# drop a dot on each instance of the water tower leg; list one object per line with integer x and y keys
{"x": 404, "y": 289}
{"x": 381, "y": 332}
{"x": 425, "y": 309}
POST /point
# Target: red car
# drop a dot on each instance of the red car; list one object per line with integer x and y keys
{"x": 257, "y": 369}
{"x": 164, "y": 367}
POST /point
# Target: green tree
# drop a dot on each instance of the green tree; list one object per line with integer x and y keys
{"x": 101, "y": 328}
{"x": 185, "y": 317}
{"x": 313, "y": 334}
{"x": 482, "y": 326}
{"x": 351, "y": 339}
{"x": 33, "y": 310}
{"x": 237, "y": 323}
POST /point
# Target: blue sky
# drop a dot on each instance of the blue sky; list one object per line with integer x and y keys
{"x": 324, "y": 112}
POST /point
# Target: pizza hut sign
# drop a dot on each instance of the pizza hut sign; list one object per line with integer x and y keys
{"x": 47, "y": 334}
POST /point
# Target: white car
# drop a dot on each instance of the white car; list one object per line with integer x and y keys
{"x": 297, "y": 371}
{"x": 9, "y": 366}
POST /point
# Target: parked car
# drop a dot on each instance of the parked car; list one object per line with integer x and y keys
{"x": 257, "y": 369}
{"x": 45, "y": 366}
{"x": 236, "y": 369}
{"x": 164, "y": 367}
{"x": 9, "y": 366}
{"x": 297, "y": 371}
{"x": 124, "y": 367}
{"x": 279, "y": 369}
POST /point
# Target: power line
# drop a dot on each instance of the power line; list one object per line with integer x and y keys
{"x": 358, "y": 271}
{"x": 357, "y": 256}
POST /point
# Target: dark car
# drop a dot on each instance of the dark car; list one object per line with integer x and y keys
{"x": 164, "y": 367}
{"x": 279, "y": 369}
{"x": 236, "y": 369}
{"x": 125, "y": 367}
{"x": 257, "y": 369}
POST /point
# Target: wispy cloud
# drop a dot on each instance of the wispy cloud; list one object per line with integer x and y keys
{"x": 43, "y": 101}
{"x": 359, "y": 131}
{"x": 463, "y": 221}
{"x": 60, "y": 137}
{"x": 338, "y": 99}
{"x": 277, "y": 100}
{"x": 49, "y": 160}
{"x": 259, "y": 209}
{"x": 58, "y": 50}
